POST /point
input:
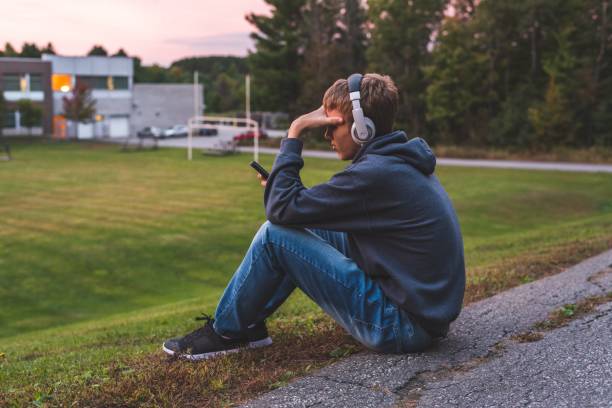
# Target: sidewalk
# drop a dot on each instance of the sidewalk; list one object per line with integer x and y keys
{"x": 481, "y": 363}
{"x": 497, "y": 164}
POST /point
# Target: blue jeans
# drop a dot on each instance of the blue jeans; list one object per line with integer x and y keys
{"x": 316, "y": 261}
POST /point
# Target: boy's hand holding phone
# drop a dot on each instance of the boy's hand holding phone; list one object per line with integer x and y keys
{"x": 262, "y": 174}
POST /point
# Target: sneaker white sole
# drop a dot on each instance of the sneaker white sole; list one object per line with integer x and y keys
{"x": 204, "y": 356}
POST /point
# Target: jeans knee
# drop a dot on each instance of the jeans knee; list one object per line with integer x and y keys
{"x": 379, "y": 339}
{"x": 269, "y": 230}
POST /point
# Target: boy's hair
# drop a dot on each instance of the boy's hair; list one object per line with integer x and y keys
{"x": 379, "y": 100}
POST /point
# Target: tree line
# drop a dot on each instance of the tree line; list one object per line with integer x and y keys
{"x": 528, "y": 73}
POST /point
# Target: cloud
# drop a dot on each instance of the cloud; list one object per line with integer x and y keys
{"x": 229, "y": 43}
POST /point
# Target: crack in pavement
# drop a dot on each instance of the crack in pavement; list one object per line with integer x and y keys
{"x": 534, "y": 364}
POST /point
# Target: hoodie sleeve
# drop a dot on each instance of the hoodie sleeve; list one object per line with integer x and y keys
{"x": 335, "y": 205}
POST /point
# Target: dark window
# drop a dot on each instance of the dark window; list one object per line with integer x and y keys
{"x": 9, "y": 119}
{"x": 120, "y": 82}
{"x": 10, "y": 82}
{"x": 36, "y": 82}
{"x": 94, "y": 82}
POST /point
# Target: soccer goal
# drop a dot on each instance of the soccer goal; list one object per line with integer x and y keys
{"x": 197, "y": 124}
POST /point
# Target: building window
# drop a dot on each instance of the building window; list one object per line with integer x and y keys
{"x": 11, "y": 82}
{"x": 120, "y": 82}
{"x": 61, "y": 82}
{"x": 9, "y": 119}
{"x": 36, "y": 82}
{"x": 23, "y": 83}
{"x": 94, "y": 82}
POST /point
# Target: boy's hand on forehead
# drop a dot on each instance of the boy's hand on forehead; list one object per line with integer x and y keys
{"x": 316, "y": 118}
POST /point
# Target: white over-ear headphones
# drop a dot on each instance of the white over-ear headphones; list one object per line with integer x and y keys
{"x": 363, "y": 129}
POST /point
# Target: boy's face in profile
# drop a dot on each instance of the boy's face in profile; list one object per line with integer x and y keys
{"x": 340, "y": 137}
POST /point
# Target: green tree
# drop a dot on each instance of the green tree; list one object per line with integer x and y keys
{"x": 593, "y": 72}
{"x": 334, "y": 46}
{"x": 79, "y": 106}
{"x": 30, "y": 50}
{"x": 97, "y": 50}
{"x": 9, "y": 51}
{"x": 278, "y": 55}
{"x": 228, "y": 99}
{"x": 459, "y": 90}
{"x": 324, "y": 60}
{"x": 553, "y": 119}
{"x": 210, "y": 69}
{"x": 2, "y": 111}
{"x": 30, "y": 114}
{"x": 505, "y": 73}
{"x": 401, "y": 34}
{"x": 355, "y": 34}
{"x": 48, "y": 49}
{"x": 120, "y": 53}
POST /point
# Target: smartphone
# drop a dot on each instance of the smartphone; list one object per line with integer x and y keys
{"x": 259, "y": 168}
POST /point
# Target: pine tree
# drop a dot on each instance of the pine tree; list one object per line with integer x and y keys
{"x": 355, "y": 34}
{"x": 30, "y": 50}
{"x": 277, "y": 57}
{"x": 401, "y": 34}
{"x": 120, "y": 53}
{"x": 9, "y": 51}
{"x": 97, "y": 50}
{"x": 325, "y": 57}
{"x": 48, "y": 49}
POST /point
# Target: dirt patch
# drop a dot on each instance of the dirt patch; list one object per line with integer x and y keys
{"x": 562, "y": 316}
{"x": 528, "y": 337}
{"x": 532, "y": 267}
{"x": 157, "y": 380}
{"x": 571, "y": 311}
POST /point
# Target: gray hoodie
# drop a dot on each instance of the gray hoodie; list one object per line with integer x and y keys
{"x": 401, "y": 225}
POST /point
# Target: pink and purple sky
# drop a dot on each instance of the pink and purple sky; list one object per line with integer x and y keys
{"x": 158, "y": 31}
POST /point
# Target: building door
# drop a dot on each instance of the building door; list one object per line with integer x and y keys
{"x": 119, "y": 126}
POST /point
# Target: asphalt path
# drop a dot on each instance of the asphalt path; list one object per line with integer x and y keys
{"x": 482, "y": 363}
{"x": 225, "y": 135}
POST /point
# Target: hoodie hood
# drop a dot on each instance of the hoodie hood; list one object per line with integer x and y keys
{"x": 415, "y": 152}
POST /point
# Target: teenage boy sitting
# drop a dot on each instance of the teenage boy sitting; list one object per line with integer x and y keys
{"x": 378, "y": 247}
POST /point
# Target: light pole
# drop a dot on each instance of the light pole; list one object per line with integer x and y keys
{"x": 248, "y": 117}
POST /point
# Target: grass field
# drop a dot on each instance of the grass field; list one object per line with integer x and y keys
{"x": 105, "y": 254}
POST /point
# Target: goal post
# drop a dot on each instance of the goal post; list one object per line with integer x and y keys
{"x": 201, "y": 122}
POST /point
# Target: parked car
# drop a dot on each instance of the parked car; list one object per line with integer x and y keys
{"x": 150, "y": 132}
{"x": 250, "y": 135}
{"x": 209, "y": 131}
{"x": 176, "y": 131}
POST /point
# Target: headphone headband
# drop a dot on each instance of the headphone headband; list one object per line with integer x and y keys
{"x": 354, "y": 83}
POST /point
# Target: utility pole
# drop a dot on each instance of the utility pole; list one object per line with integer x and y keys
{"x": 248, "y": 117}
{"x": 196, "y": 101}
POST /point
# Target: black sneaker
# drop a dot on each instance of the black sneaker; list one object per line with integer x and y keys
{"x": 204, "y": 343}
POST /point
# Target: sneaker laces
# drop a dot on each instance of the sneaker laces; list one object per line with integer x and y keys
{"x": 206, "y": 317}
{"x": 201, "y": 330}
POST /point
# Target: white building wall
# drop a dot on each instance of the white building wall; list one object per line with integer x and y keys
{"x": 113, "y": 107}
{"x": 119, "y": 66}
{"x": 162, "y": 105}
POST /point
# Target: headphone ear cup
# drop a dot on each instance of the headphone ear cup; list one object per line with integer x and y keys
{"x": 371, "y": 132}
{"x": 371, "y": 128}
{"x": 354, "y": 134}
